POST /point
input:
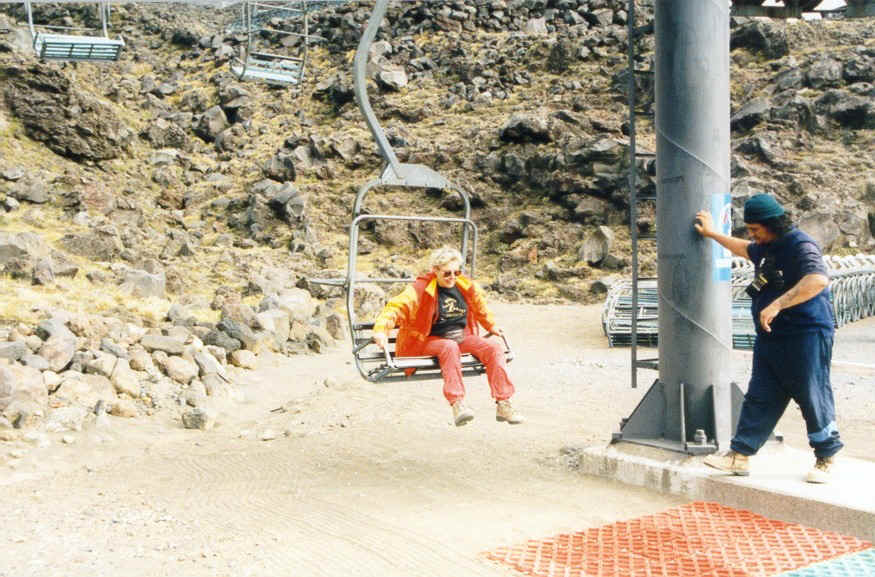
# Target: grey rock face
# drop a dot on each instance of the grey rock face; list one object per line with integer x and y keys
{"x": 289, "y": 204}
{"x": 45, "y": 100}
{"x": 211, "y": 124}
{"x": 23, "y": 395}
{"x": 524, "y": 128}
{"x": 824, "y": 73}
{"x": 597, "y": 246}
{"x": 30, "y": 189}
{"x": 198, "y": 419}
{"x": 221, "y": 339}
{"x": 59, "y": 348}
{"x": 142, "y": 284}
{"x": 13, "y": 350}
{"x": 751, "y": 114}
{"x": 280, "y": 167}
{"x": 102, "y": 244}
{"x": 764, "y": 37}
{"x": 168, "y": 345}
{"x": 209, "y": 365}
{"x": 21, "y": 245}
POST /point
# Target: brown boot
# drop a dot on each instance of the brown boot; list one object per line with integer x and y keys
{"x": 821, "y": 473}
{"x": 504, "y": 412}
{"x": 462, "y": 415}
{"x": 731, "y": 462}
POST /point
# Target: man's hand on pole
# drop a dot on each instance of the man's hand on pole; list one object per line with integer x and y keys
{"x": 704, "y": 223}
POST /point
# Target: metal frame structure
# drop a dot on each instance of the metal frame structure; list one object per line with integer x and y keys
{"x": 71, "y": 47}
{"x": 372, "y": 364}
{"x": 269, "y": 67}
{"x": 637, "y": 311}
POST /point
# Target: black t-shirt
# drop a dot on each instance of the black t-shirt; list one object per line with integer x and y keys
{"x": 795, "y": 255}
{"x": 452, "y": 311}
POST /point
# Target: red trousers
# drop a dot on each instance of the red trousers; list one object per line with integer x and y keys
{"x": 489, "y": 352}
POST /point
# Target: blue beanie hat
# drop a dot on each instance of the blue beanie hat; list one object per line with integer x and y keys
{"x": 762, "y": 207}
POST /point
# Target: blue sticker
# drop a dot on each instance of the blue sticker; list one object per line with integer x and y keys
{"x": 721, "y": 257}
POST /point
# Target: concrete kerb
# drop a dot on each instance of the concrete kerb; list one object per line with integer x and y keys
{"x": 776, "y": 487}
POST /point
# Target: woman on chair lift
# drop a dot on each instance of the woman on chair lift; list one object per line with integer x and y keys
{"x": 437, "y": 316}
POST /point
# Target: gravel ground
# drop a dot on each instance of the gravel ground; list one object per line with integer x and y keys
{"x": 316, "y": 472}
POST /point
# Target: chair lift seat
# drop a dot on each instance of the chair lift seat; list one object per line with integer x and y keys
{"x": 67, "y": 47}
{"x": 286, "y": 71}
{"x": 384, "y": 366}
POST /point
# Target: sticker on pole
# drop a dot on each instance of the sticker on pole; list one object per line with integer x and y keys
{"x": 721, "y": 257}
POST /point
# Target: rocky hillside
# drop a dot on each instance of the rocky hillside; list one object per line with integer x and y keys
{"x": 159, "y": 196}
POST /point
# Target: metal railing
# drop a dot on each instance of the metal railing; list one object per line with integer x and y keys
{"x": 852, "y": 290}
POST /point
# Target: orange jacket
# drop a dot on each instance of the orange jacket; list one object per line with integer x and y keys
{"x": 413, "y": 312}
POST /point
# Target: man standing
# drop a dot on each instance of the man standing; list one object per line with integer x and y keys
{"x": 795, "y": 327}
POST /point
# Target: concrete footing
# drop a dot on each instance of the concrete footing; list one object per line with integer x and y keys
{"x": 776, "y": 487}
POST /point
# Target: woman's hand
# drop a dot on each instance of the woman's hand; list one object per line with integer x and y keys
{"x": 381, "y": 340}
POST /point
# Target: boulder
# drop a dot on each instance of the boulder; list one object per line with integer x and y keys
{"x": 244, "y": 359}
{"x": 823, "y": 229}
{"x": 209, "y": 365}
{"x": 392, "y": 78}
{"x": 180, "y": 370}
{"x": 63, "y": 419}
{"x": 199, "y": 418}
{"x": 141, "y": 284}
{"x": 211, "y": 123}
{"x": 597, "y": 246}
{"x": 101, "y": 244}
{"x": 125, "y": 379}
{"x": 824, "y": 72}
{"x": 13, "y": 350}
{"x": 169, "y": 345}
{"x": 220, "y": 338}
{"x": 276, "y": 322}
{"x": 523, "y": 128}
{"x": 752, "y": 113}
{"x": 44, "y": 100}
{"x": 280, "y": 167}
{"x": 21, "y": 245}
{"x": 102, "y": 364}
{"x": 83, "y": 390}
{"x": 21, "y": 388}
{"x": 536, "y": 27}
{"x": 288, "y": 203}
{"x": 32, "y": 189}
{"x": 765, "y": 37}
{"x": 58, "y": 349}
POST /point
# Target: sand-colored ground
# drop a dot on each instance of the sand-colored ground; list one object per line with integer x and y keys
{"x": 358, "y": 478}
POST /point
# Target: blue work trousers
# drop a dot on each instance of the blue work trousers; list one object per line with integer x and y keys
{"x": 789, "y": 367}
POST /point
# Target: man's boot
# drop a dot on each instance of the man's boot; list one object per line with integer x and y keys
{"x": 731, "y": 462}
{"x": 821, "y": 473}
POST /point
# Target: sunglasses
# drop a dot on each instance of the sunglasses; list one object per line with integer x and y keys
{"x": 450, "y": 273}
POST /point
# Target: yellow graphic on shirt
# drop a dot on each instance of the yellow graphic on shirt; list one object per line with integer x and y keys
{"x": 451, "y": 308}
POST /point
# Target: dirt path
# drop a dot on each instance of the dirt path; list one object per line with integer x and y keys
{"x": 359, "y": 479}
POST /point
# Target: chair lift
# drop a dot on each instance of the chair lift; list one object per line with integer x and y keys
{"x": 372, "y": 363}
{"x": 268, "y": 67}
{"x": 70, "y": 47}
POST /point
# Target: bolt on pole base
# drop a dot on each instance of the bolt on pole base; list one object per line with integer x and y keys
{"x": 650, "y": 422}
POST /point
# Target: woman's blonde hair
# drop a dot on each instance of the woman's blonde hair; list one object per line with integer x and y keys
{"x": 444, "y": 256}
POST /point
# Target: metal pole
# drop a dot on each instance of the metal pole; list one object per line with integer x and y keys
{"x": 359, "y": 84}
{"x": 633, "y": 190}
{"x": 692, "y": 148}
